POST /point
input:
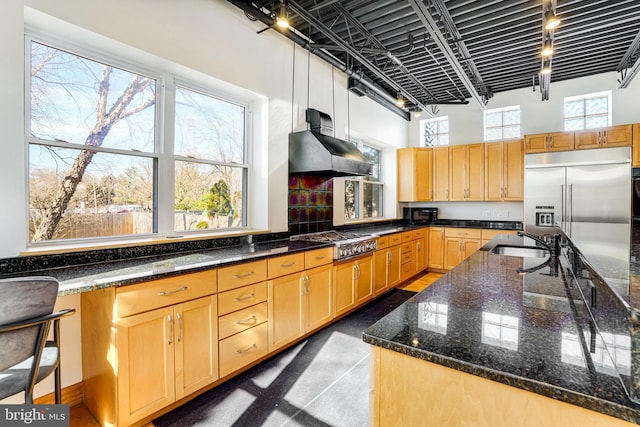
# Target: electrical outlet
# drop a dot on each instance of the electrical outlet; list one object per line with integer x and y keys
{"x": 502, "y": 214}
{"x": 486, "y": 214}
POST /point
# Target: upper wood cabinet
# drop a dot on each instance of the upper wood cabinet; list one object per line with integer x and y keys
{"x": 441, "y": 174}
{"x": 415, "y": 174}
{"x": 615, "y": 136}
{"x": 466, "y": 167}
{"x": 544, "y": 142}
{"x": 504, "y": 171}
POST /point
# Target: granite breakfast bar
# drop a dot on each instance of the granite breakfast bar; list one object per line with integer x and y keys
{"x": 503, "y": 341}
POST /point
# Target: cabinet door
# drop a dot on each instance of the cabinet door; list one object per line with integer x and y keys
{"x": 422, "y": 253}
{"x": 364, "y": 279}
{"x": 452, "y": 252}
{"x": 636, "y": 146}
{"x": 469, "y": 246}
{"x": 441, "y": 173}
{"x": 380, "y": 273}
{"x": 285, "y": 310}
{"x": 474, "y": 173}
{"x": 146, "y": 375}
{"x": 436, "y": 248}
{"x": 458, "y": 173}
{"x": 393, "y": 265}
{"x": 561, "y": 141}
{"x": 196, "y": 344}
{"x": 493, "y": 184}
{"x": 618, "y": 136}
{"x": 317, "y": 301}
{"x": 536, "y": 143}
{"x": 587, "y": 139}
{"x": 513, "y": 170}
{"x": 414, "y": 174}
{"x": 344, "y": 293}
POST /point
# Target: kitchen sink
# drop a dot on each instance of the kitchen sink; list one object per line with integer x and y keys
{"x": 521, "y": 251}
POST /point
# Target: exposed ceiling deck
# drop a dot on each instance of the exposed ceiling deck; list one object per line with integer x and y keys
{"x": 458, "y": 51}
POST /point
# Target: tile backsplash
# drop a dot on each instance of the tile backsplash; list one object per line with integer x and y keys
{"x": 310, "y": 203}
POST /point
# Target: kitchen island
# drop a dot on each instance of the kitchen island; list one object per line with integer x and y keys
{"x": 502, "y": 341}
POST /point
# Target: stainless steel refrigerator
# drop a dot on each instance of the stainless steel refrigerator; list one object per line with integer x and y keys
{"x": 586, "y": 193}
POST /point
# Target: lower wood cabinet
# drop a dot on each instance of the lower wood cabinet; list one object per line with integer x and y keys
{"x": 459, "y": 243}
{"x": 244, "y": 348}
{"x": 436, "y": 248}
{"x": 298, "y": 303}
{"x": 353, "y": 283}
{"x": 386, "y": 267}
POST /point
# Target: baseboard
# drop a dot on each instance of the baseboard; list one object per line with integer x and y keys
{"x": 71, "y": 395}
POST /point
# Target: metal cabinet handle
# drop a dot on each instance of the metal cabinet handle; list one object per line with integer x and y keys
{"x": 304, "y": 281}
{"x": 179, "y": 327}
{"x": 307, "y": 282}
{"x": 250, "y": 321}
{"x": 289, "y": 264}
{"x": 240, "y": 276}
{"x": 251, "y": 347}
{"x": 357, "y": 269}
{"x": 604, "y": 136}
{"x": 320, "y": 257}
{"x": 170, "y": 319}
{"x": 389, "y": 257}
{"x": 250, "y": 296}
{"x": 175, "y": 291}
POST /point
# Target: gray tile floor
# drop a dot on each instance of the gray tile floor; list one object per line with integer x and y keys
{"x": 322, "y": 381}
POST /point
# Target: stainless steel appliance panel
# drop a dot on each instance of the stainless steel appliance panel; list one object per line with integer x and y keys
{"x": 544, "y": 199}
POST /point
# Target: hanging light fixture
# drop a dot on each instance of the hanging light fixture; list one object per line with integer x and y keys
{"x": 551, "y": 21}
{"x": 282, "y": 17}
{"x": 546, "y": 67}
{"x": 547, "y": 47}
{"x": 400, "y": 100}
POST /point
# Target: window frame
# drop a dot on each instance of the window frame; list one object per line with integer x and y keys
{"x": 438, "y": 135}
{"x": 501, "y": 110}
{"x": 166, "y": 81}
{"x": 359, "y": 183}
{"x": 607, "y": 93}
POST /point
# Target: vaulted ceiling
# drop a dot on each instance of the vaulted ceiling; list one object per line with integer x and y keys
{"x": 435, "y": 52}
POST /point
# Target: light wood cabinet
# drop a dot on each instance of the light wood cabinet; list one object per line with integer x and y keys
{"x": 244, "y": 348}
{"x": 386, "y": 264}
{"x": 487, "y": 235}
{"x": 415, "y": 174}
{"x": 407, "y": 261}
{"x": 459, "y": 244}
{"x": 300, "y": 302}
{"x": 466, "y": 177}
{"x": 422, "y": 253}
{"x": 545, "y": 142}
{"x": 436, "y": 248}
{"x": 636, "y": 146}
{"x": 144, "y": 346}
{"x": 441, "y": 174}
{"x": 615, "y": 136}
{"x": 504, "y": 171}
{"x": 353, "y": 283}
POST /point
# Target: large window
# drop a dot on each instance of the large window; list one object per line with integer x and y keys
{"x": 587, "y": 111}
{"x": 435, "y": 131}
{"x": 502, "y": 123}
{"x": 99, "y": 154}
{"x": 363, "y": 195}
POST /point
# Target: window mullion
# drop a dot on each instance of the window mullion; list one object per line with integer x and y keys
{"x": 165, "y": 195}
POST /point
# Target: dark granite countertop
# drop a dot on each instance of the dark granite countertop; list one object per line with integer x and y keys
{"x": 525, "y": 330}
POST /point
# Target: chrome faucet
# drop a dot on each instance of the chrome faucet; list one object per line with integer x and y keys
{"x": 553, "y": 247}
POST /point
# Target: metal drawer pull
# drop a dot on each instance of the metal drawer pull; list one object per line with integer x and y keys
{"x": 251, "y": 347}
{"x": 320, "y": 257}
{"x": 250, "y": 296}
{"x": 170, "y": 319}
{"x": 163, "y": 293}
{"x": 287, "y": 265}
{"x": 179, "y": 327}
{"x": 251, "y": 320}
{"x": 240, "y": 276}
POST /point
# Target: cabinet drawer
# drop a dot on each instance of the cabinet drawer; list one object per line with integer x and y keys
{"x": 383, "y": 242}
{"x": 395, "y": 239}
{"x": 406, "y": 269}
{"x": 465, "y": 233}
{"x": 318, "y": 257}
{"x": 240, "y": 298}
{"x": 490, "y": 234}
{"x": 241, "y": 349}
{"x": 286, "y": 264}
{"x": 419, "y": 234}
{"x": 406, "y": 252}
{"x": 241, "y": 274}
{"x": 407, "y": 236}
{"x": 147, "y": 296}
{"x": 241, "y": 320}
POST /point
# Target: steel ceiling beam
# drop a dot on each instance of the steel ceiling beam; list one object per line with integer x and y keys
{"x": 312, "y": 20}
{"x": 437, "y": 36}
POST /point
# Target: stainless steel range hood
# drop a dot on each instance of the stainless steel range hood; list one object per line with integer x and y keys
{"x": 315, "y": 152}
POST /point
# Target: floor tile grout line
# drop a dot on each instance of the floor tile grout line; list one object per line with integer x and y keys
{"x": 325, "y": 390}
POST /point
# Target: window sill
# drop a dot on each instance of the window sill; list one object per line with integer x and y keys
{"x": 366, "y": 221}
{"x": 154, "y": 240}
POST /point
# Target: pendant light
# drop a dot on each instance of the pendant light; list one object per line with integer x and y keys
{"x": 551, "y": 20}
{"x": 547, "y": 47}
{"x": 282, "y": 17}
